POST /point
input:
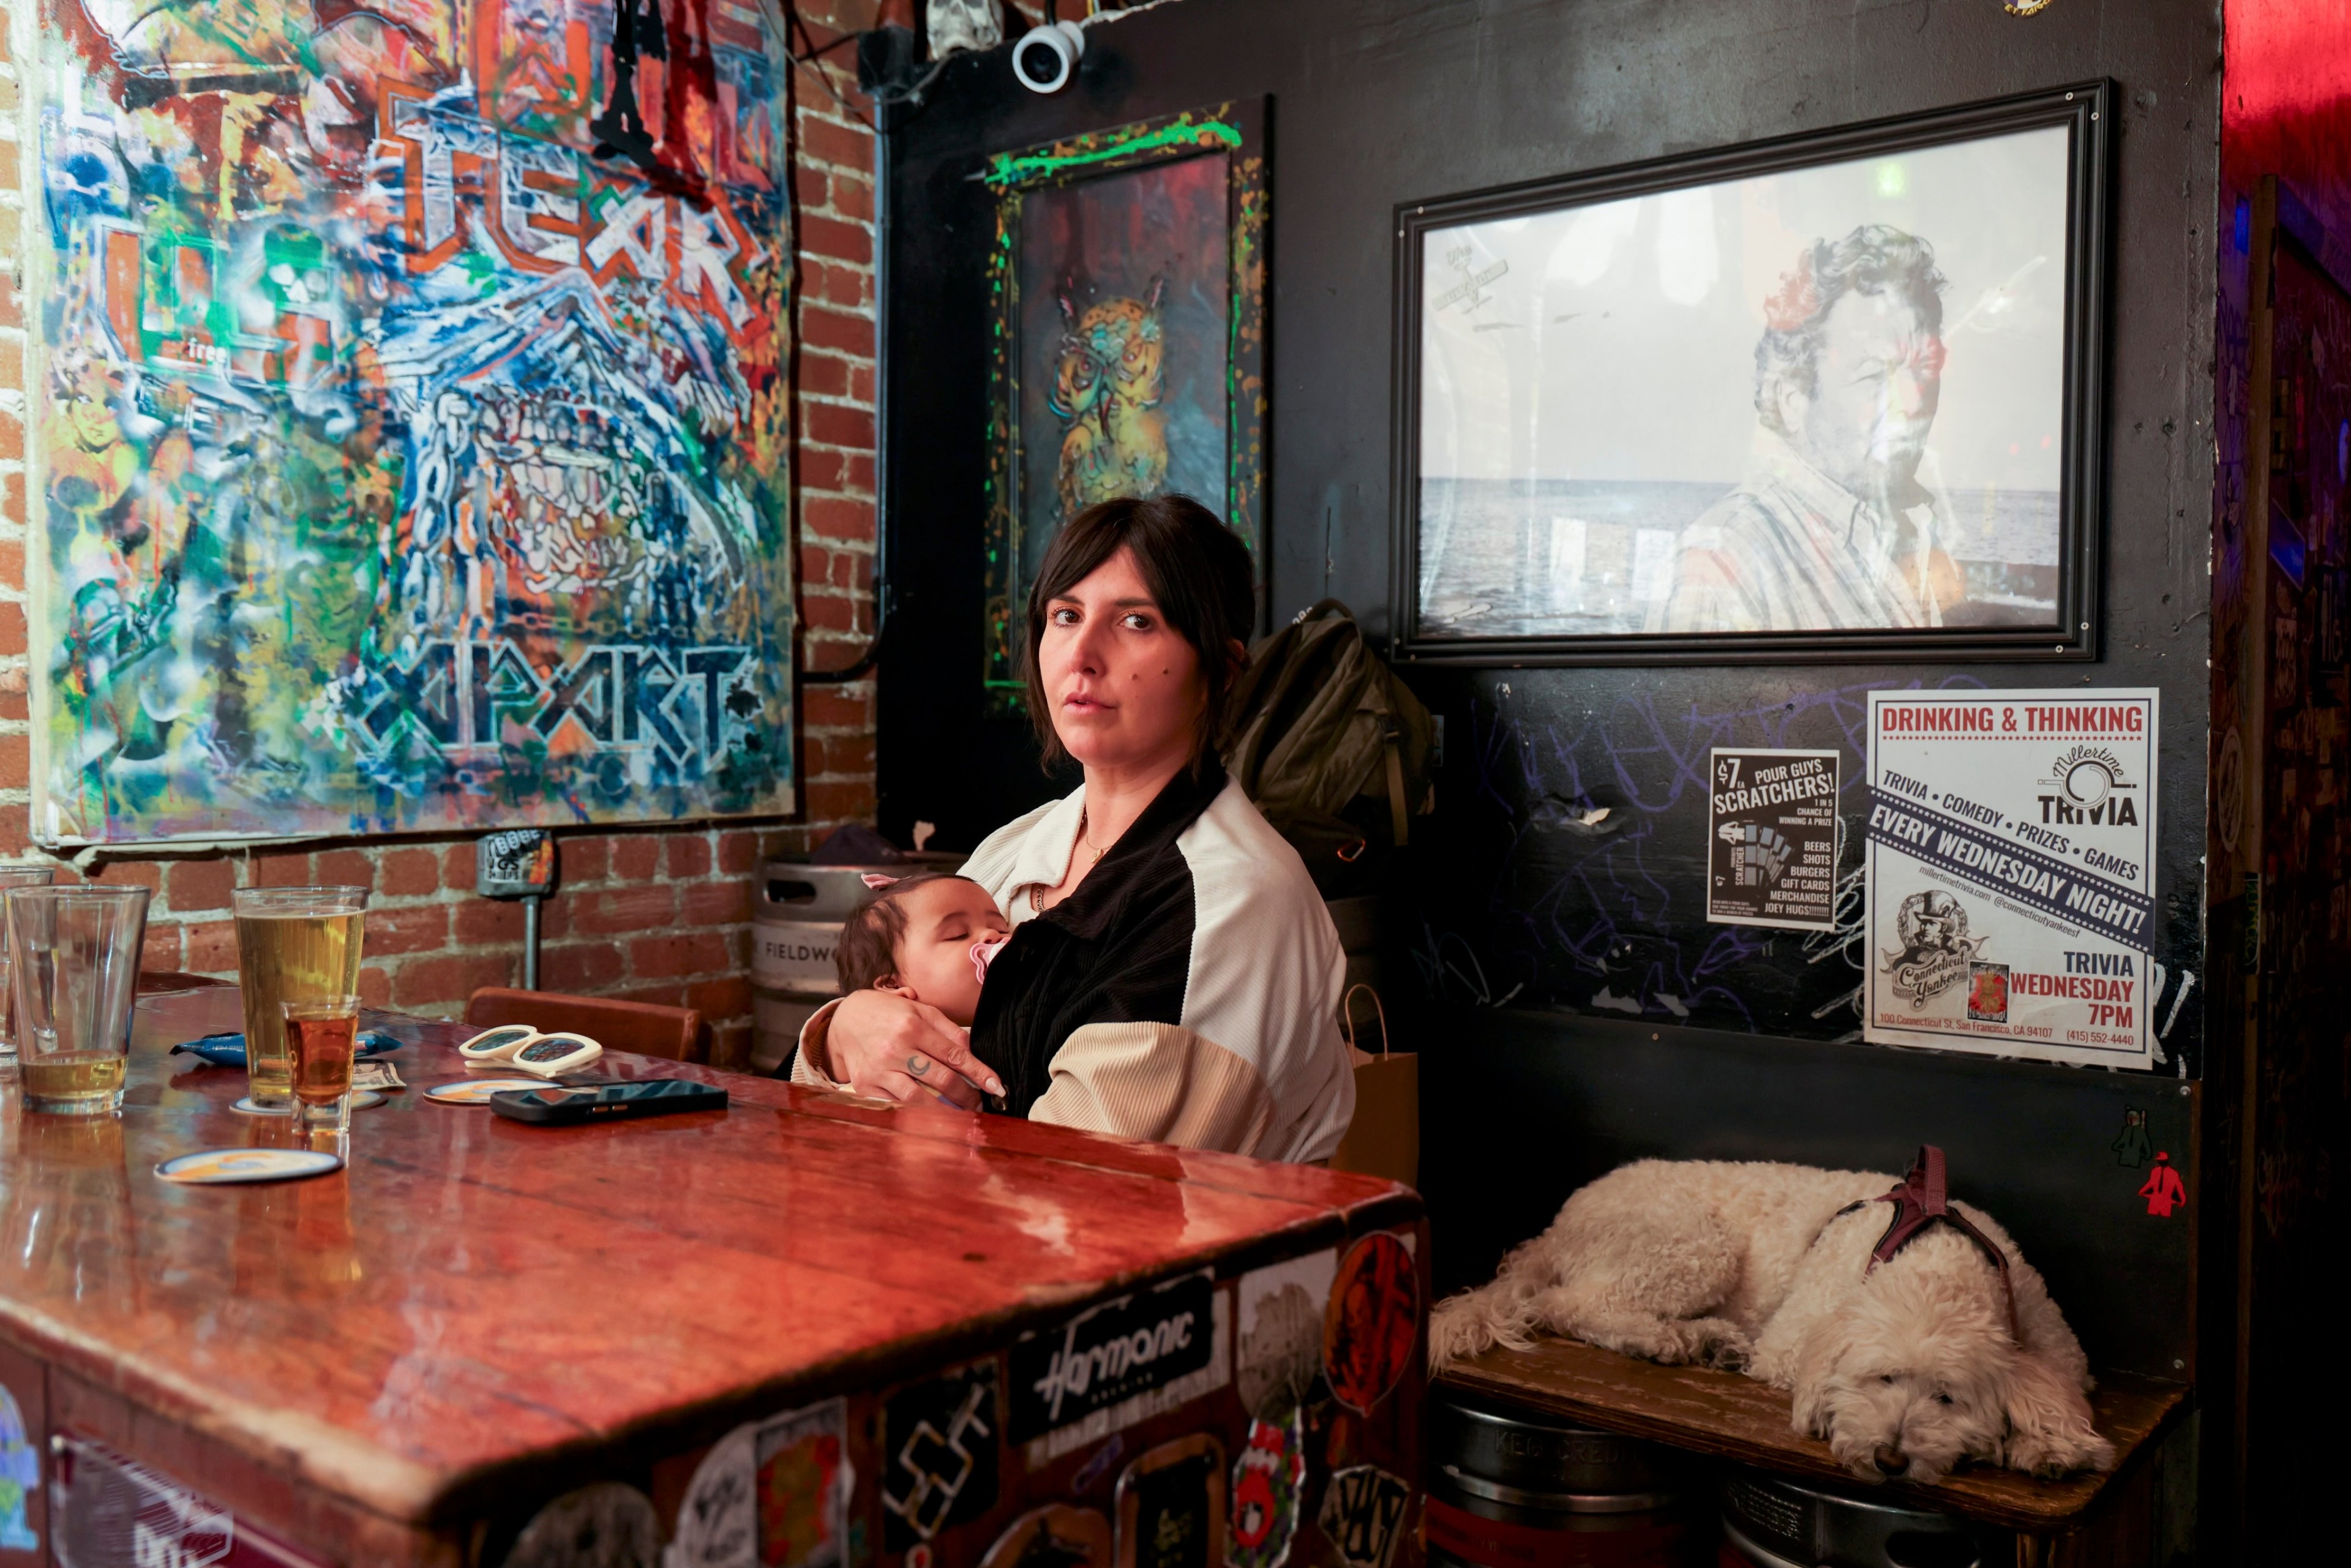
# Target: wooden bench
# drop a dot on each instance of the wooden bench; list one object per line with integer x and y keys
{"x": 2081, "y": 1520}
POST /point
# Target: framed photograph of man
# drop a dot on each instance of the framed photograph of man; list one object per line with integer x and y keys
{"x": 1830, "y": 397}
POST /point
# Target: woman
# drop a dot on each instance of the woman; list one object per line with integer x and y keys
{"x": 1172, "y": 974}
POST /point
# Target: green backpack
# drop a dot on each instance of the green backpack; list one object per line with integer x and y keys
{"x": 1330, "y": 745}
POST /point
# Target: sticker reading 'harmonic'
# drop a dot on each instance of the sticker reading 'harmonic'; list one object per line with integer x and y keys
{"x": 1118, "y": 1363}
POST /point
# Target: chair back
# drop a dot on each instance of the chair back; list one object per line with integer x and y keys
{"x": 644, "y": 1027}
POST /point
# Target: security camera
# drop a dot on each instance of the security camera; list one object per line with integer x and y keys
{"x": 1046, "y": 55}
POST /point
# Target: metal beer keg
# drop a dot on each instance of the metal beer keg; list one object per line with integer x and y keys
{"x": 1771, "y": 1522}
{"x": 796, "y": 914}
{"x": 1527, "y": 1491}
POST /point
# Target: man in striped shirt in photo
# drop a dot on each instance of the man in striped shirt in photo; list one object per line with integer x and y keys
{"x": 1829, "y": 529}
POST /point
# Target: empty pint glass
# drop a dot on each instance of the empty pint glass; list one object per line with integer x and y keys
{"x": 74, "y": 961}
{"x": 293, "y": 945}
{"x": 12, "y": 876}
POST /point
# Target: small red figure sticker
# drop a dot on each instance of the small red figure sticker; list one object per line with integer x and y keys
{"x": 1371, "y": 1322}
{"x": 2163, "y": 1190}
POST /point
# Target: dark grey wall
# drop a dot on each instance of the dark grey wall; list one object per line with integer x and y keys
{"x": 1380, "y": 102}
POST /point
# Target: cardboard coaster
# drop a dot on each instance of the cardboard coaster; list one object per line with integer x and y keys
{"x": 248, "y": 1108}
{"x": 477, "y": 1091}
{"x": 212, "y": 1167}
{"x": 365, "y": 1099}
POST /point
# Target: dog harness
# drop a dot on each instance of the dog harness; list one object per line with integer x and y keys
{"x": 1921, "y": 1199}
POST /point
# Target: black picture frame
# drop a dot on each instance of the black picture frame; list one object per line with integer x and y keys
{"x": 1230, "y": 138}
{"x": 2084, "y": 109}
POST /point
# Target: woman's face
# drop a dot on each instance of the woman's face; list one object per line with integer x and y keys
{"x": 1126, "y": 687}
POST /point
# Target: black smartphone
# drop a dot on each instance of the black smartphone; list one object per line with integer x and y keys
{"x": 557, "y": 1106}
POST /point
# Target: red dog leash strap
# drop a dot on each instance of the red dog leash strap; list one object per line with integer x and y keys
{"x": 1924, "y": 1198}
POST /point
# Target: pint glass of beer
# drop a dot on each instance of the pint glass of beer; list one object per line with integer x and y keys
{"x": 293, "y": 945}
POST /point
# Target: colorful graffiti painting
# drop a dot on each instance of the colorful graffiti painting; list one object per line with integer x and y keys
{"x": 414, "y": 451}
{"x": 1129, "y": 288}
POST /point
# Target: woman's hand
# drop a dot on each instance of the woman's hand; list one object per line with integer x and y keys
{"x": 892, "y": 1048}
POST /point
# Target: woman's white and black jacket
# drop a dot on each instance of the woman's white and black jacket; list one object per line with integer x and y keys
{"x": 1187, "y": 992}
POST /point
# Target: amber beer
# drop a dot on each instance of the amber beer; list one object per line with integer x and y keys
{"x": 74, "y": 1079}
{"x": 321, "y": 1040}
{"x": 293, "y": 945}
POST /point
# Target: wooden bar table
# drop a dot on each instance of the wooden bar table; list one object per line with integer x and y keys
{"x": 804, "y": 1332}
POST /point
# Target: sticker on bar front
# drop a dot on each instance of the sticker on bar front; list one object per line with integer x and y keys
{"x": 1279, "y": 1353}
{"x": 2011, "y": 872}
{"x": 1372, "y": 1320}
{"x": 940, "y": 1446}
{"x": 220, "y": 1167}
{"x": 1171, "y": 1505}
{"x": 104, "y": 1507}
{"x": 1059, "y": 1534}
{"x": 20, "y": 1475}
{"x": 477, "y": 1091}
{"x": 803, "y": 1483}
{"x": 1268, "y": 1480}
{"x": 1362, "y": 1510}
{"x": 1119, "y": 1362}
{"x": 770, "y": 1494}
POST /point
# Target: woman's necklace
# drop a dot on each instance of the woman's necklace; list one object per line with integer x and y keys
{"x": 1036, "y": 891}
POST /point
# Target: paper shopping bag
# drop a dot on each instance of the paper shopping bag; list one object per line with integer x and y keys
{"x": 1384, "y": 1138}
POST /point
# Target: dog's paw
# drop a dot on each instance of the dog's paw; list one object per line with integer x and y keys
{"x": 1725, "y": 1348}
{"x": 1668, "y": 1341}
{"x": 1682, "y": 1342}
{"x": 2054, "y": 1454}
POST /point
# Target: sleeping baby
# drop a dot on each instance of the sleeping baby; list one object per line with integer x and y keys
{"x": 927, "y": 937}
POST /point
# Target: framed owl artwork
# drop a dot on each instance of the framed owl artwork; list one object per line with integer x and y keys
{"x": 1128, "y": 282}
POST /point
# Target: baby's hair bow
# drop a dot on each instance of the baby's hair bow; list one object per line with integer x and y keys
{"x": 876, "y": 879}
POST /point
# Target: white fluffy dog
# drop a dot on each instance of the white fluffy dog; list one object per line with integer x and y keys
{"x": 1906, "y": 1368}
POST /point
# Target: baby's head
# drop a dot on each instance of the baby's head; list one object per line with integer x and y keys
{"x": 916, "y": 939}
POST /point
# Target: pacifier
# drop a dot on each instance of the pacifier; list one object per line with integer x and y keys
{"x": 983, "y": 954}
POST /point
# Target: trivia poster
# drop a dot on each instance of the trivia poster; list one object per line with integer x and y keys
{"x": 2010, "y": 850}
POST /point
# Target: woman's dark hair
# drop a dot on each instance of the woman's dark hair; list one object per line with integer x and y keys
{"x": 868, "y": 948}
{"x": 1198, "y": 570}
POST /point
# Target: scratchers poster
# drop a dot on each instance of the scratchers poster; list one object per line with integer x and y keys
{"x": 410, "y": 418}
{"x": 2011, "y": 872}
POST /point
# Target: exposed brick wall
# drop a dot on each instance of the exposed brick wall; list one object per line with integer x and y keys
{"x": 658, "y": 915}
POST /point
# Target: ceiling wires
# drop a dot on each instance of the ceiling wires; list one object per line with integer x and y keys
{"x": 784, "y": 17}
